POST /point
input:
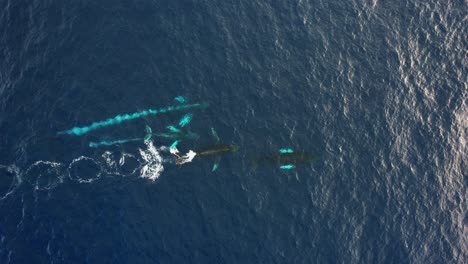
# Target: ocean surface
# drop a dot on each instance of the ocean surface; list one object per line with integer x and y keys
{"x": 376, "y": 91}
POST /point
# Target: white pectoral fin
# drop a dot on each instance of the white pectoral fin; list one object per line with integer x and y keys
{"x": 215, "y": 135}
{"x": 287, "y": 167}
{"x": 216, "y": 163}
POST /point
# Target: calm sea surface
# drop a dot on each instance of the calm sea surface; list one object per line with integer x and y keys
{"x": 375, "y": 92}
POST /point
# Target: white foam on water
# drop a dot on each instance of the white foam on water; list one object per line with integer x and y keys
{"x": 153, "y": 162}
{"x": 110, "y": 167}
{"x": 124, "y": 161}
{"x": 15, "y": 182}
{"x": 113, "y": 167}
{"x": 45, "y": 175}
{"x": 188, "y": 157}
{"x": 109, "y": 158}
{"x": 78, "y": 161}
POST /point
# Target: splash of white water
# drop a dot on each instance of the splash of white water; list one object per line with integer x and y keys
{"x": 153, "y": 162}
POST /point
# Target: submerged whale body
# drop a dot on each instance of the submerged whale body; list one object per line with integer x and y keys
{"x": 215, "y": 151}
{"x": 286, "y": 160}
{"x": 218, "y": 149}
{"x": 178, "y": 135}
{"x": 295, "y": 158}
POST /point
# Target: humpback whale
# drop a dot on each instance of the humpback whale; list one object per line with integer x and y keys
{"x": 216, "y": 151}
{"x": 177, "y": 135}
{"x": 174, "y": 134}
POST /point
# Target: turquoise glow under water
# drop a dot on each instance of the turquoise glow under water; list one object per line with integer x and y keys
{"x": 78, "y": 131}
{"x": 180, "y": 99}
{"x": 286, "y": 150}
{"x": 173, "y": 129}
{"x": 287, "y": 167}
{"x": 185, "y": 120}
{"x": 173, "y": 145}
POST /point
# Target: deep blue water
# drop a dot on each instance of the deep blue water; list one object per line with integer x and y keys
{"x": 375, "y": 90}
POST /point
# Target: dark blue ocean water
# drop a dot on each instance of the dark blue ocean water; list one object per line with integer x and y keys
{"x": 376, "y": 90}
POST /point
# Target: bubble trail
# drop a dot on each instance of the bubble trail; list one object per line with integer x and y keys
{"x": 78, "y": 131}
{"x": 185, "y": 120}
{"x": 112, "y": 142}
{"x": 146, "y": 139}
